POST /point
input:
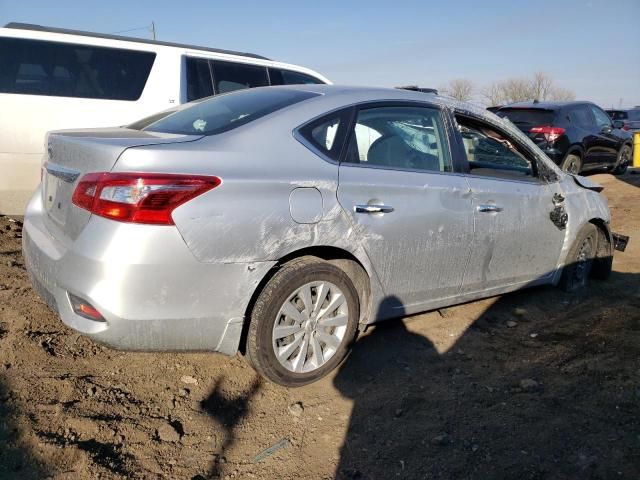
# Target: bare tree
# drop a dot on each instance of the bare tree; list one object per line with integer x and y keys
{"x": 460, "y": 89}
{"x": 541, "y": 86}
{"x": 493, "y": 94}
{"x": 516, "y": 90}
{"x": 561, "y": 94}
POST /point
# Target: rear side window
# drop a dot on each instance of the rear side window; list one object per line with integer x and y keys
{"x": 230, "y": 76}
{"x": 199, "y": 83}
{"x": 288, "y": 77}
{"x": 226, "y": 112}
{"x": 634, "y": 115}
{"x": 36, "y": 67}
{"x": 407, "y": 138}
{"x": 525, "y": 118}
{"x": 326, "y": 135}
{"x": 581, "y": 116}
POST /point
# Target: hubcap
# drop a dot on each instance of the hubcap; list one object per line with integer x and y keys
{"x": 310, "y": 327}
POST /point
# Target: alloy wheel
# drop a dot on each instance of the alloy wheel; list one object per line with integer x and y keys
{"x": 310, "y": 326}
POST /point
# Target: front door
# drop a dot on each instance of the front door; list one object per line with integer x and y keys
{"x": 413, "y": 215}
{"x": 515, "y": 242}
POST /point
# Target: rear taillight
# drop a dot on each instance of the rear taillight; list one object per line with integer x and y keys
{"x": 139, "y": 197}
{"x": 626, "y": 127}
{"x": 551, "y": 134}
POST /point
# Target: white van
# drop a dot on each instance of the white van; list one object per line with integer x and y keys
{"x": 53, "y": 78}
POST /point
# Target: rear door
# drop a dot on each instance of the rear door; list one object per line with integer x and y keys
{"x": 515, "y": 241}
{"x": 606, "y": 142}
{"x": 412, "y": 212}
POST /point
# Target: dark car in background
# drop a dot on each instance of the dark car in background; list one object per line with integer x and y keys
{"x": 628, "y": 120}
{"x": 578, "y": 136}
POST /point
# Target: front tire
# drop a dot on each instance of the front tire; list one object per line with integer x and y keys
{"x": 572, "y": 163}
{"x": 624, "y": 159}
{"x": 303, "y": 322}
{"x": 580, "y": 259}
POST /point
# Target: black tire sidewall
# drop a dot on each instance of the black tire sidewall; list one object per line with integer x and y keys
{"x": 567, "y": 280}
{"x": 622, "y": 169}
{"x": 275, "y": 293}
{"x": 568, "y": 160}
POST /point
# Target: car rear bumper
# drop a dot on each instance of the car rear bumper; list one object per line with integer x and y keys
{"x": 148, "y": 286}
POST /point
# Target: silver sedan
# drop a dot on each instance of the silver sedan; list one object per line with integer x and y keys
{"x": 279, "y": 221}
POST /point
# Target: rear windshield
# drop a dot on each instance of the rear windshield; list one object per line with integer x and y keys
{"x": 225, "y": 112}
{"x": 617, "y": 114}
{"x": 527, "y": 117}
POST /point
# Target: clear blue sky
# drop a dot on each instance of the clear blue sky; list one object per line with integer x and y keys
{"x": 589, "y": 46}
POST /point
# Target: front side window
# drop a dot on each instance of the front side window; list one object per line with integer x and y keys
{"x": 490, "y": 153}
{"x": 226, "y": 112}
{"x": 602, "y": 119}
{"x": 402, "y": 137}
{"x": 230, "y": 76}
{"x": 36, "y": 67}
{"x": 279, "y": 76}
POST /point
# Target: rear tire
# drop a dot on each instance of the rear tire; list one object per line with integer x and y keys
{"x": 624, "y": 159}
{"x": 303, "y": 322}
{"x": 572, "y": 163}
{"x": 580, "y": 260}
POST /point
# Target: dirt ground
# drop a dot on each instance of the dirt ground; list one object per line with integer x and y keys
{"x": 533, "y": 385}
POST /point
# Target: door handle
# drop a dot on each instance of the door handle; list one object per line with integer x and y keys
{"x": 489, "y": 208}
{"x": 373, "y": 209}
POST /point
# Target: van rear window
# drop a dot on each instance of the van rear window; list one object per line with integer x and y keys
{"x": 37, "y": 67}
{"x": 228, "y": 111}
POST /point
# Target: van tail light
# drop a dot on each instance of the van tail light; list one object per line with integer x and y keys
{"x": 551, "y": 134}
{"x": 139, "y": 197}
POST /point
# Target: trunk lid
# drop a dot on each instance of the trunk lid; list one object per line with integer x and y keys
{"x": 70, "y": 155}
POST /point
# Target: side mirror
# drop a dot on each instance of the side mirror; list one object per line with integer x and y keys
{"x": 606, "y": 129}
{"x": 618, "y": 124}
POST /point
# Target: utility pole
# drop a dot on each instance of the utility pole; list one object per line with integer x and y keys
{"x": 153, "y": 29}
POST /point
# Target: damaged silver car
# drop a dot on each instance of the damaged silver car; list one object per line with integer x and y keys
{"x": 280, "y": 221}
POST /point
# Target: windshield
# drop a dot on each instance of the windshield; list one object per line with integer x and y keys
{"x": 225, "y": 112}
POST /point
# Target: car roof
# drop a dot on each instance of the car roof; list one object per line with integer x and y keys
{"x": 40, "y": 28}
{"x": 545, "y": 105}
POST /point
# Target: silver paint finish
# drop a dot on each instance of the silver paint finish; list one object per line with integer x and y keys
{"x": 188, "y": 286}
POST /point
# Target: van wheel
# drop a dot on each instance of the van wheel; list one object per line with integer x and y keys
{"x": 579, "y": 262}
{"x": 572, "y": 164}
{"x": 303, "y": 322}
{"x": 624, "y": 159}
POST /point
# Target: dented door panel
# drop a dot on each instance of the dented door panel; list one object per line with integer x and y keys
{"x": 517, "y": 244}
{"x": 420, "y": 248}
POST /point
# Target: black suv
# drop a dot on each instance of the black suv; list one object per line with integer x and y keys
{"x": 578, "y": 136}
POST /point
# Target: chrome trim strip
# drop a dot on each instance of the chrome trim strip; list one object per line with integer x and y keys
{"x": 63, "y": 173}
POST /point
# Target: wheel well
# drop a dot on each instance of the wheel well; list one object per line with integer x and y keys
{"x": 341, "y": 258}
{"x": 574, "y": 150}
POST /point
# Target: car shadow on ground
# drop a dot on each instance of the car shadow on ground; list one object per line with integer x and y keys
{"x": 530, "y": 391}
{"x": 17, "y": 459}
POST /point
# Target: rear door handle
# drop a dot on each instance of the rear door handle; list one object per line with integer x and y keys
{"x": 373, "y": 209}
{"x": 489, "y": 208}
